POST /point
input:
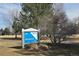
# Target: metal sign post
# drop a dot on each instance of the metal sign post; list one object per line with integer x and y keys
{"x": 29, "y": 36}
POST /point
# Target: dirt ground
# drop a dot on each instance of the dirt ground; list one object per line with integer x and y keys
{"x": 8, "y": 47}
{"x": 13, "y": 48}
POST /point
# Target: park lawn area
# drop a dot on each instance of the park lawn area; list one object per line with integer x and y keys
{"x": 9, "y": 36}
{"x": 6, "y": 47}
{"x": 10, "y": 47}
{"x": 13, "y": 48}
{"x": 74, "y": 36}
{"x": 58, "y": 50}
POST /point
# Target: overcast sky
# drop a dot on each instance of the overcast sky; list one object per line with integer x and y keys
{"x": 72, "y": 10}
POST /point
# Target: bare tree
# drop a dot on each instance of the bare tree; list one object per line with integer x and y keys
{"x": 57, "y": 23}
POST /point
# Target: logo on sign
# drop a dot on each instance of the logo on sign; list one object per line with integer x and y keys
{"x": 30, "y": 37}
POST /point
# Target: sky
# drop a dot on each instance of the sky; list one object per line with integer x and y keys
{"x": 5, "y": 13}
{"x": 71, "y": 9}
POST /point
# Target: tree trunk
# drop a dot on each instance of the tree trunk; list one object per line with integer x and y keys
{"x": 55, "y": 40}
{"x": 15, "y": 35}
{"x": 51, "y": 38}
{"x": 59, "y": 40}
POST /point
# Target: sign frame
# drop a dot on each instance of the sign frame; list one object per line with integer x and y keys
{"x": 29, "y": 30}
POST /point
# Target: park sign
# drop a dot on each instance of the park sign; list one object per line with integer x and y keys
{"x": 29, "y": 36}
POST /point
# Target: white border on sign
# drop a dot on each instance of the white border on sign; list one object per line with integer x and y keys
{"x": 22, "y": 38}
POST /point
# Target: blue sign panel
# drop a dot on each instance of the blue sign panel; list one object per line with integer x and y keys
{"x": 30, "y": 37}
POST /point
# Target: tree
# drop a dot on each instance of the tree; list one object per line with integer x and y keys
{"x": 6, "y": 31}
{"x": 58, "y": 23}
{"x": 49, "y": 18}
{"x": 14, "y": 14}
{"x": 74, "y": 26}
{"x": 1, "y": 31}
{"x": 16, "y": 26}
{"x": 33, "y": 13}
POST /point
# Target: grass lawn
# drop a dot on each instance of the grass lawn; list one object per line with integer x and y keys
{"x": 60, "y": 50}
{"x": 13, "y": 48}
